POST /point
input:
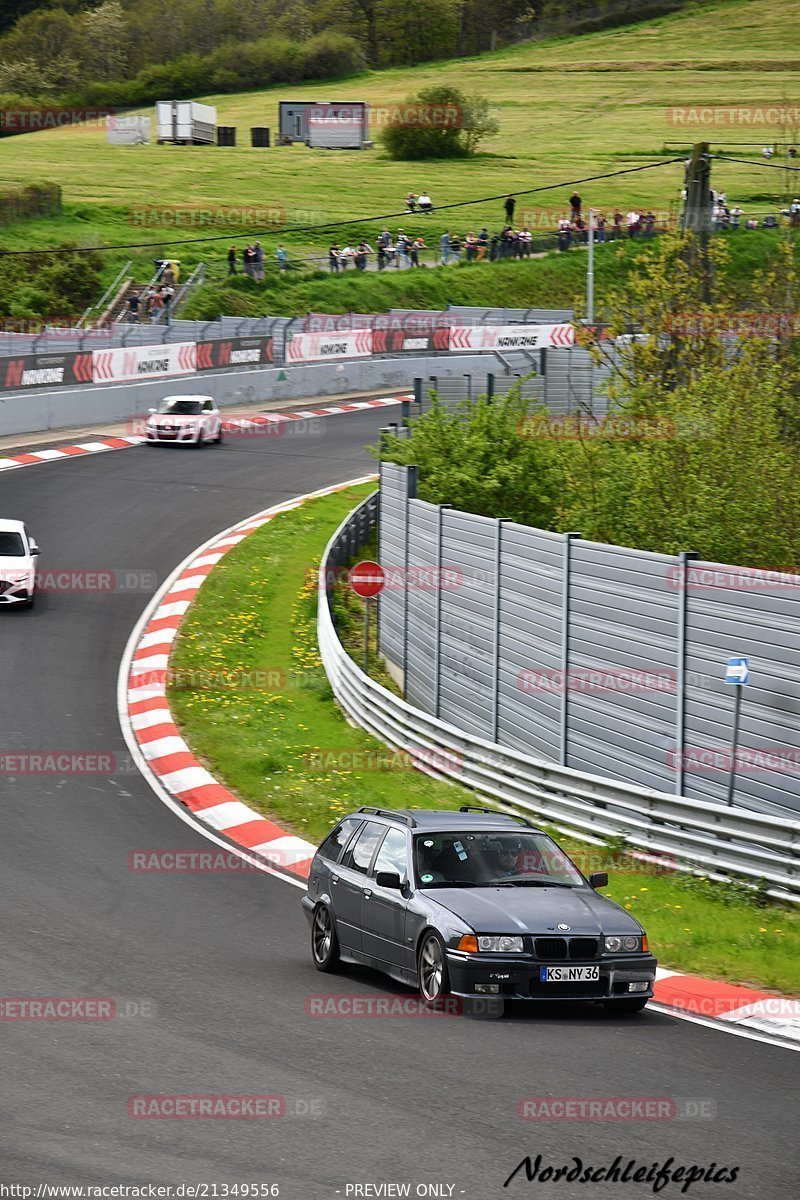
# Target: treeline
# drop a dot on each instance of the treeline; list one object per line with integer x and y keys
{"x": 132, "y": 52}
{"x": 700, "y": 451}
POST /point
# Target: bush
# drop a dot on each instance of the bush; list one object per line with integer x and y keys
{"x": 330, "y": 55}
{"x": 34, "y": 200}
{"x": 442, "y": 123}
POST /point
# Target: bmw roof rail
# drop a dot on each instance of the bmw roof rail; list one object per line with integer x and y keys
{"x": 392, "y": 814}
{"x": 495, "y": 812}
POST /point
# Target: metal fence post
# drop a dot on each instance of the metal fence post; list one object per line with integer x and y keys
{"x": 566, "y": 576}
{"x": 437, "y": 633}
{"x": 686, "y": 557}
{"x": 498, "y": 553}
{"x": 543, "y": 373}
{"x": 411, "y": 494}
{"x": 490, "y": 387}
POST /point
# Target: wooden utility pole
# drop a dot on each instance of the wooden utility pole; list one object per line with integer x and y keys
{"x": 696, "y": 216}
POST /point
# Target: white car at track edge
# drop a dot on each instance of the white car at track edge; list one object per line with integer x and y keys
{"x": 18, "y": 552}
{"x": 184, "y": 420}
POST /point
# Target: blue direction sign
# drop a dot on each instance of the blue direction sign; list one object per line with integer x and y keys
{"x": 737, "y": 671}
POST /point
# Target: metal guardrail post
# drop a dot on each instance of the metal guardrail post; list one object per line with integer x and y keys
{"x": 566, "y": 576}
{"x": 437, "y": 665}
{"x": 543, "y": 372}
{"x": 490, "y": 386}
{"x": 498, "y": 554}
{"x": 411, "y": 494}
{"x": 686, "y": 557}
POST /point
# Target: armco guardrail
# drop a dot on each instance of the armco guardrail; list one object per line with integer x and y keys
{"x": 722, "y": 842}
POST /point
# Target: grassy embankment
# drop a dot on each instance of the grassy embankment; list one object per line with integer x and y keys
{"x": 257, "y": 613}
{"x": 568, "y": 108}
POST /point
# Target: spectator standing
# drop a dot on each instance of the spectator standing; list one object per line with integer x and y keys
{"x": 736, "y": 216}
{"x": 156, "y": 306}
{"x": 167, "y": 295}
{"x": 444, "y": 245}
{"x": 600, "y": 226}
{"x": 579, "y": 226}
{"x": 470, "y": 247}
{"x": 258, "y": 262}
{"x": 282, "y": 258}
{"x": 403, "y": 244}
{"x": 618, "y": 218}
{"x": 411, "y": 202}
{"x": 133, "y": 307}
{"x": 794, "y": 213}
{"x": 508, "y": 207}
{"x": 527, "y": 242}
{"x": 494, "y": 242}
{"x": 168, "y": 276}
{"x": 649, "y": 223}
{"x": 232, "y": 260}
{"x": 564, "y": 233}
{"x": 417, "y": 245}
{"x": 483, "y": 243}
{"x": 333, "y": 257}
{"x": 247, "y": 261}
{"x": 632, "y": 222}
{"x": 425, "y": 203}
{"x": 362, "y": 250}
{"x": 767, "y": 152}
{"x": 575, "y": 205}
{"x": 455, "y": 247}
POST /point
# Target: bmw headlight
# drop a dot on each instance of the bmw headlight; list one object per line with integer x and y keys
{"x": 501, "y": 945}
{"x": 629, "y": 942}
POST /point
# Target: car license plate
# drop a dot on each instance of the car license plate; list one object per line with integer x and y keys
{"x": 569, "y": 974}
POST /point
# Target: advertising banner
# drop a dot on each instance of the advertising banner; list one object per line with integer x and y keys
{"x": 235, "y": 352}
{"x": 125, "y": 363}
{"x": 318, "y": 347}
{"x": 511, "y": 337}
{"x": 44, "y": 370}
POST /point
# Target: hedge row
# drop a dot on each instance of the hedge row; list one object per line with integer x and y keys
{"x": 34, "y": 200}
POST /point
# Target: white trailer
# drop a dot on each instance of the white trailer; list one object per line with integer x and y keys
{"x": 128, "y": 131}
{"x": 186, "y": 122}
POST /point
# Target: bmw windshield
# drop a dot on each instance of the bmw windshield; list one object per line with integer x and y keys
{"x": 505, "y": 859}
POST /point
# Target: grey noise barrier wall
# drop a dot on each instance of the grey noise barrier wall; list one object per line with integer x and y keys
{"x": 603, "y": 659}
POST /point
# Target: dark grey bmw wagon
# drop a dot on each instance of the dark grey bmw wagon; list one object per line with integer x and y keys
{"x": 472, "y": 903}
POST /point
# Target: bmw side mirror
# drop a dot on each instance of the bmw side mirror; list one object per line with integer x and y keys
{"x": 598, "y": 879}
{"x": 33, "y": 547}
{"x": 389, "y": 879}
{"x": 151, "y": 410}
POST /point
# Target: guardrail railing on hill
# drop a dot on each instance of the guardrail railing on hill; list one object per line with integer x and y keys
{"x": 721, "y": 842}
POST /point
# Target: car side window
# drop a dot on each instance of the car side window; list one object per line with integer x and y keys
{"x": 208, "y": 406}
{"x": 336, "y": 841}
{"x": 358, "y": 854}
{"x": 392, "y": 854}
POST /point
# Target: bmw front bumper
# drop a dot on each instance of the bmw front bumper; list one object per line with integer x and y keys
{"x": 518, "y": 977}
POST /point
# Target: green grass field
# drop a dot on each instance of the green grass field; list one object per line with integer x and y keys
{"x": 292, "y": 756}
{"x": 567, "y": 108}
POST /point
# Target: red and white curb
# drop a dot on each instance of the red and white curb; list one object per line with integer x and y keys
{"x": 738, "y": 1009}
{"x": 229, "y": 424}
{"x": 76, "y": 451}
{"x": 149, "y": 727}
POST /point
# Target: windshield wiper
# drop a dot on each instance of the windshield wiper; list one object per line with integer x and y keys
{"x": 532, "y": 883}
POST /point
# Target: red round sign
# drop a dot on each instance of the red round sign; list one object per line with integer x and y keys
{"x": 367, "y": 579}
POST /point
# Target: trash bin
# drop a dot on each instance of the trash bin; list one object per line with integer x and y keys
{"x": 226, "y": 135}
{"x": 259, "y": 136}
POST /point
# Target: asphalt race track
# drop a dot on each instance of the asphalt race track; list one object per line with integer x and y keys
{"x": 215, "y": 969}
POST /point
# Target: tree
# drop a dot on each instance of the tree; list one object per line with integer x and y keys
{"x": 439, "y": 122}
{"x": 108, "y": 41}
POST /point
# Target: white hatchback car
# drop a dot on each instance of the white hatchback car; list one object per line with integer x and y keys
{"x": 192, "y": 420}
{"x": 18, "y": 554}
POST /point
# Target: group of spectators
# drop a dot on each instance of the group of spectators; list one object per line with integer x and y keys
{"x": 732, "y": 216}
{"x": 253, "y": 260}
{"x": 153, "y": 303}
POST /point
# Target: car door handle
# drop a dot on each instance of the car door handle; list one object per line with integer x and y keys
{"x": 366, "y": 893}
{"x": 334, "y": 879}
